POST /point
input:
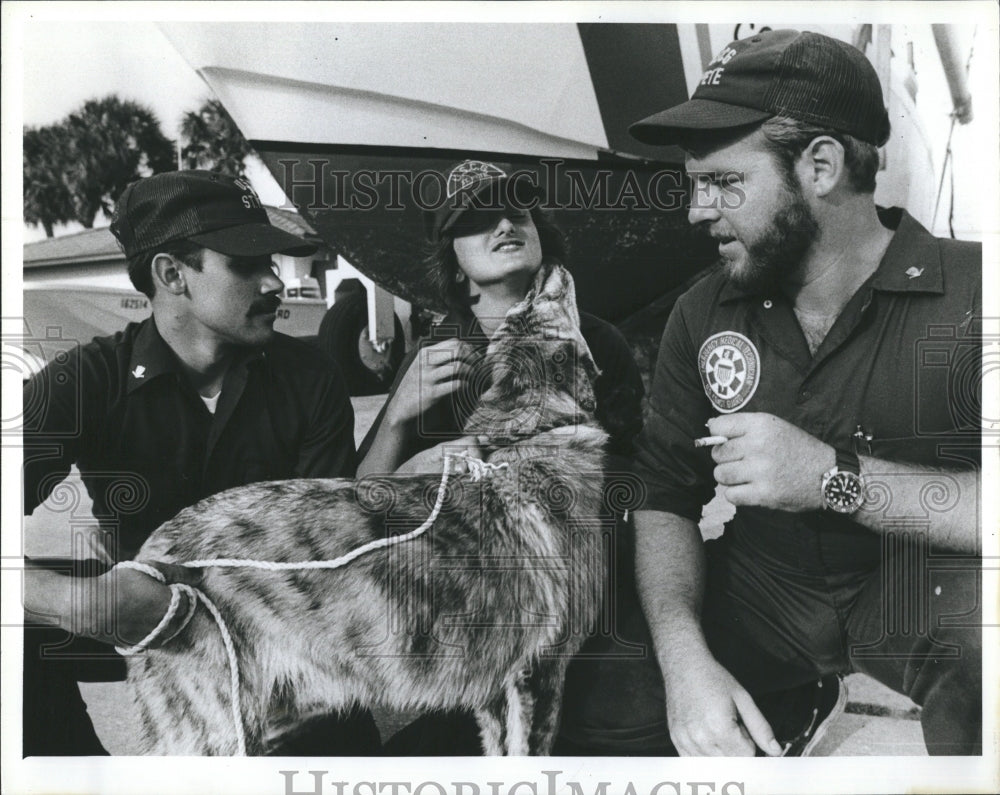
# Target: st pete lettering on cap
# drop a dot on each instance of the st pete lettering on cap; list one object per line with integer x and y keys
{"x": 250, "y": 198}
{"x": 714, "y": 73}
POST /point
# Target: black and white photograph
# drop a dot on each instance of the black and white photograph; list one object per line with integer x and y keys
{"x": 398, "y": 394}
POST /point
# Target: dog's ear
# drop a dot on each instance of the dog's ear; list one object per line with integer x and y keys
{"x": 552, "y": 280}
{"x": 550, "y": 308}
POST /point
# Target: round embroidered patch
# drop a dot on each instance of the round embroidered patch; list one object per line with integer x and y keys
{"x": 730, "y": 370}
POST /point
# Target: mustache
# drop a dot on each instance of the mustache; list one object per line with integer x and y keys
{"x": 265, "y": 306}
{"x": 704, "y": 231}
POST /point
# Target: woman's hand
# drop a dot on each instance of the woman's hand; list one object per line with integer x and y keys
{"x": 437, "y": 371}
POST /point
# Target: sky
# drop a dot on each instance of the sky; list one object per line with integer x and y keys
{"x": 67, "y": 63}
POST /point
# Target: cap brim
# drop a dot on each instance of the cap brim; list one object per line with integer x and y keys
{"x": 526, "y": 193}
{"x": 667, "y": 126}
{"x": 254, "y": 240}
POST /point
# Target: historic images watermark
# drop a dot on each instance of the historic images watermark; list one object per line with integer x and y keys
{"x": 316, "y": 782}
{"x": 318, "y": 185}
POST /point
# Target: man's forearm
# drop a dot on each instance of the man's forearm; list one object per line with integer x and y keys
{"x": 948, "y": 501}
{"x": 56, "y": 599}
{"x": 117, "y": 607}
{"x": 708, "y": 711}
{"x": 670, "y": 573}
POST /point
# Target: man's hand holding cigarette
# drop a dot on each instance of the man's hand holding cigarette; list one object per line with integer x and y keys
{"x": 764, "y": 461}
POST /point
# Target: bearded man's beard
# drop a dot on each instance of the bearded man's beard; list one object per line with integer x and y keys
{"x": 777, "y": 252}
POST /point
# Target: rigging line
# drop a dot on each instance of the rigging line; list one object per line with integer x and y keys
{"x": 944, "y": 171}
{"x": 948, "y": 154}
{"x": 951, "y": 205}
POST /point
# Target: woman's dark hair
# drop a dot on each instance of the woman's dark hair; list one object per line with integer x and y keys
{"x": 140, "y": 265}
{"x": 442, "y": 264}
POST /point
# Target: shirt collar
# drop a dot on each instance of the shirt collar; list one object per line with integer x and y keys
{"x": 152, "y": 357}
{"x": 911, "y": 263}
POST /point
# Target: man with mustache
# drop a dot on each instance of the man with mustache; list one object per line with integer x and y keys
{"x": 826, "y": 358}
{"x": 201, "y": 397}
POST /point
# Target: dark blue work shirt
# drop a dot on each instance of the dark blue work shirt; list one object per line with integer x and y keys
{"x": 122, "y": 410}
{"x": 902, "y": 361}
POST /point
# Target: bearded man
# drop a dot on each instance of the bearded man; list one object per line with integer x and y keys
{"x": 825, "y": 357}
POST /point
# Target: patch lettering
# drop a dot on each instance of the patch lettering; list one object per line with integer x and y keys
{"x": 729, "y": 365}
{"x": 466, "y": 176}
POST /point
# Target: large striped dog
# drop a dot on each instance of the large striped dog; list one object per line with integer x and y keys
{"x": 481, "y": 611}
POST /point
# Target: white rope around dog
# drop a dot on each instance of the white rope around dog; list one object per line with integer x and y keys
{"x": 477, "y": 469}
{"x": 176, "y": 589}
{"x": 177, "y": 592}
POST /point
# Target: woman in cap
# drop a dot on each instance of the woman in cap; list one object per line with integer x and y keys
{"x": 489, "y": 241}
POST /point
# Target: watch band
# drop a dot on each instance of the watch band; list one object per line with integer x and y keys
{"x": 847, "y": 461}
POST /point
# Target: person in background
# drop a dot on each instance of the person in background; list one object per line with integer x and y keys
{"x": 851, "y": 460}
{"x": 202, "y": 396}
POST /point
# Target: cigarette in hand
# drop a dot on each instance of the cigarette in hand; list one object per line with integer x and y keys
{"x": 710, "y": 441}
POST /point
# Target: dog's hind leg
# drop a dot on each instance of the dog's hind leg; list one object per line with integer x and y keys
{"x": 545, "y": 686}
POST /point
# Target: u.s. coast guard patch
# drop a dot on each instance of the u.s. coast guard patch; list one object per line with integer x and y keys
{"x": 730, "y": 370}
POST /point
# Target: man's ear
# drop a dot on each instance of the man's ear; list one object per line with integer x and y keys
{"x": 167, "y": 274}
{"x": 821, "y": 166}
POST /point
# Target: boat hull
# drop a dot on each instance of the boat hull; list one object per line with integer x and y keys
{"x": 625, "y": 220}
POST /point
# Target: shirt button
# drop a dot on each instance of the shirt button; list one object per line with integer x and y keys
{"x": 805, "y": 394}
{"x": 768, "y": 303}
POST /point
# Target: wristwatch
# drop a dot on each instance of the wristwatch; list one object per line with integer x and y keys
{"x": 843, "y": 488}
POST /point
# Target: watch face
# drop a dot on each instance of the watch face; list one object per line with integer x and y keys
{"x": 844, "y": 492}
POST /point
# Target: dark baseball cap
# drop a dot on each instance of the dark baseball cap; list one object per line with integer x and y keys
{"x": 216, "y": 211}
{"x": 476, "y": 184}
{"x": 803, "y": 75}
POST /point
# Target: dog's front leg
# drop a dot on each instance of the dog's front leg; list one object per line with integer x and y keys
{"x": 505, "y": 722}
{"x": 520, "y": 709}
{"x": 492, "y": 720}
{"x": 545, "y": 684}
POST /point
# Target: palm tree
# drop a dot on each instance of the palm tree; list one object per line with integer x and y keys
{"x": 112, "y": 142}
{"x": 214, "y": 142}
{"x": 46, "y": 198}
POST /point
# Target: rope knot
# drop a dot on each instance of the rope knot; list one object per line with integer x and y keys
{"x": 478, "y": 468}
{"x": 183, "y": 603}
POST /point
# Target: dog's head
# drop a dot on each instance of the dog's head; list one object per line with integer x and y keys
{"x": 541, "y": 369}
